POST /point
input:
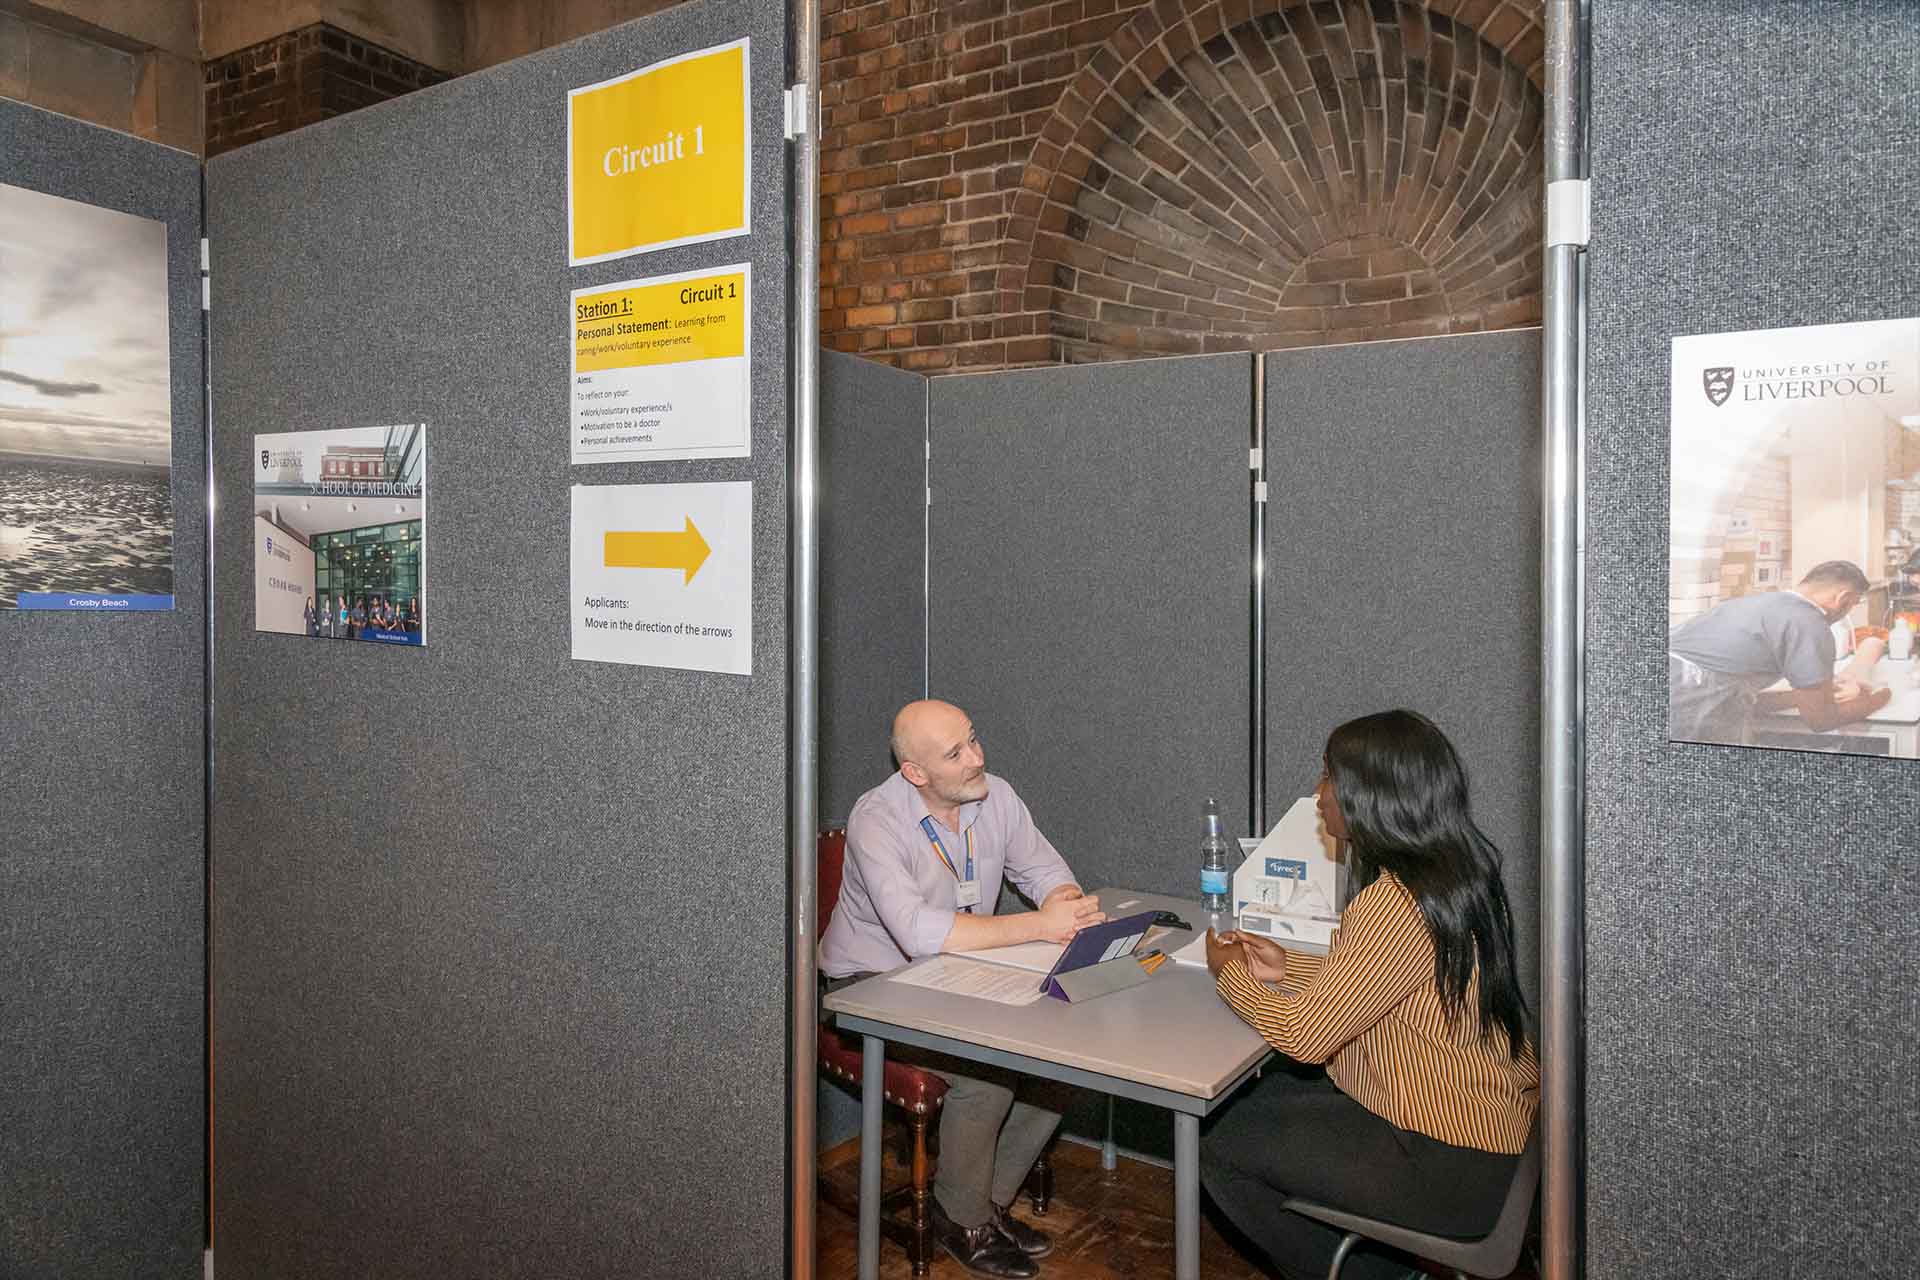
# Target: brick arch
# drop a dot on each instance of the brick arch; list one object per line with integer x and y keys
{"x": 1310, "y": 173}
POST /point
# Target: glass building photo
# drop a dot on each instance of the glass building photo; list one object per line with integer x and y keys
{"x": 339, "y": 533}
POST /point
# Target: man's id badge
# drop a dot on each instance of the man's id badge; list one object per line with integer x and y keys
{"x": 967, "y": 894}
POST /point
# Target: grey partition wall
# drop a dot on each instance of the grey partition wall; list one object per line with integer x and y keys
{"x": 102, "y": 919}
{"x": 1089, "y": 599}
{"x": 1752, "y": 916}
{"x": 1403, "y": 569}
{"x": 499, "y": 979}
{"x": 873, "y": 586}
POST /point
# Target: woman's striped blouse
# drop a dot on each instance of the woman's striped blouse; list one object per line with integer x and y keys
{"x": 1370, "y": 1010}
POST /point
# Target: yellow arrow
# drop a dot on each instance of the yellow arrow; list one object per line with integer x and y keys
{"x": 686, "y": 551}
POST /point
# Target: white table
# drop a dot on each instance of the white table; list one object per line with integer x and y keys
{"x": 1170, "y": 1042}
{"x": 1898, "y": 722}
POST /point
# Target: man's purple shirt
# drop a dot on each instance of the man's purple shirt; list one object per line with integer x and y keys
{"x": 898, "y": 900}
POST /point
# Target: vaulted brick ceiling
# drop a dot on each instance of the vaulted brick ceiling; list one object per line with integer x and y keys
{"x": 1316, "y": 173}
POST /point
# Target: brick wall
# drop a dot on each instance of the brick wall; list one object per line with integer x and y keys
{"x": 1010, "y": 182}
{"x": 304, "y": 76}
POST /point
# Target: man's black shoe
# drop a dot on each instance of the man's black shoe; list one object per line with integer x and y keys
{"x": 1031, "y": 1241}
{"x": 982, "y": 1250}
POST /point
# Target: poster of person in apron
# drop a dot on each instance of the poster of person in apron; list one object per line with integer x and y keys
{"x": 1795, "y": 502}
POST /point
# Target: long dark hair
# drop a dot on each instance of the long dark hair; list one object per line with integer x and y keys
{"x": 1403, "y": 792}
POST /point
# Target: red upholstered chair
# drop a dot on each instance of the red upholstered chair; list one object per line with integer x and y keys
{"x": 919, "y": 1093}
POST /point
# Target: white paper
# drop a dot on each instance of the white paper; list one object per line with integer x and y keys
{"x": 1194, "y": 952}
{"x": 650, "y": 411}
{"x": 662, "y": 575}
{"x": 1035, "y": 957}
{"x": 966, "y": 977}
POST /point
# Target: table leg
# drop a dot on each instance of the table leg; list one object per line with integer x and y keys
{"x": 1109, "y": 1150}
{"x": 1186, "y": 1196}
{"x": 873, "y": 1057}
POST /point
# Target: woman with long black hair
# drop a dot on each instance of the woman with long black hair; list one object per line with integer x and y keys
{"x": 1412, "y": 1084}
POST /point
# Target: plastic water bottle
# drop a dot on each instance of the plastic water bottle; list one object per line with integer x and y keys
{"x": 1215, "y": 891}
{"x": 1900, "y": 641}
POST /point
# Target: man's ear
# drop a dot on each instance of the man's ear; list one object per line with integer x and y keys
{"x": 913, "y": 773}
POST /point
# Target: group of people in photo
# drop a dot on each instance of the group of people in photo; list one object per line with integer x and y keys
{"x": 363, "y": 616}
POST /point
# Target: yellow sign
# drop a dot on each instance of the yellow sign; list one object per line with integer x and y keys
{"x": 661, "y": 367}
{"x": 703, "y": 318}
{"x": 660, "y": 156}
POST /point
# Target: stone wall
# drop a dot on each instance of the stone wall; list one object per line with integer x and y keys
{"x": 131, "y": 67}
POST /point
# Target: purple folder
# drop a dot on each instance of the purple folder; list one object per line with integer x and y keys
{"x": 1098, "y": 943}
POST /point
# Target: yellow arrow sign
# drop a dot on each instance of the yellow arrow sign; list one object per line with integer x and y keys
{"x": 686, "y": 551}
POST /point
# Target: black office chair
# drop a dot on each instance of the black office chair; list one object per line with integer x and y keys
{"x": 1491, "y": 1256}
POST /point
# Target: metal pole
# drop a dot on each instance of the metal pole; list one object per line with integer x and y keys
{"x": 1186, "y": 1196}
{"x": 207, "y": 598}
{"x": 873, "y": 1085}
{"x": 1109, "y": 1150}
{"x": 1563, "y": 644}
{"x": 803, "y": 749}
{"x": 926, "y": 538}
{"x": 1257, "y": 656}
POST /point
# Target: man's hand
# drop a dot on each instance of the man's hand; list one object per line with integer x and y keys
{"x": 1065, "y": 912}
{"x": 1862, "y": 703}
{"x": 1822, "y": 707}
{"x": 1222, "y": 948}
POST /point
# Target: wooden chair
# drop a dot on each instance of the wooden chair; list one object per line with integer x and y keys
{"x": 916, "y": 1091}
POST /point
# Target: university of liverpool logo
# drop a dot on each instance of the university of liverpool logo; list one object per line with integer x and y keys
{"x": 1718, "y": 383}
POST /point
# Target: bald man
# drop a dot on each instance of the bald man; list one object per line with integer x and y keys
{"x": 926, "y": 851}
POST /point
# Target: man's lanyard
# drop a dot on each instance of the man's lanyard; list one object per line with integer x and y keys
{"x": 940, "y": 850}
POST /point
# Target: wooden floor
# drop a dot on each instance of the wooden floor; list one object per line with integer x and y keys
{"x": 1106, "y": 1226}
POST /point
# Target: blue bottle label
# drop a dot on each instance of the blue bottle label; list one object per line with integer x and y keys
{"x": 1213, "y": 881}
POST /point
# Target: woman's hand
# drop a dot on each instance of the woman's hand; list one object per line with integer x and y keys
{"x": 1266, "y": 959}
{"x": 1222, "y": 948}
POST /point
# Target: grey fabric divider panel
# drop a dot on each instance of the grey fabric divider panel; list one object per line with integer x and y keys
{"x": 873, "y": 421}
{"x": 1752, "y": 916}
{"x": 873, "y": 429}
{"x": 1403, "y": 569}
{"x": 102, "y": 883}
{"x": 499, "y": 936}
{"x": 1089, "y": 607}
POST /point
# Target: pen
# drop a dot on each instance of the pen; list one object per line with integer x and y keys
{"x": 1152, "y": 960}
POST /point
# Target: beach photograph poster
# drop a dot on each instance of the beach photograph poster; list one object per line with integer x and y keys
{"x": 86, "y": 420}
{"x": 339, "y": 534}
{"x": 1793, "y": 596}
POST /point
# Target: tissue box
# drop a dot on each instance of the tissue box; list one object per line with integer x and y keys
{"x": 1284, "y": 927}
{"x": 1292, "y": 871}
